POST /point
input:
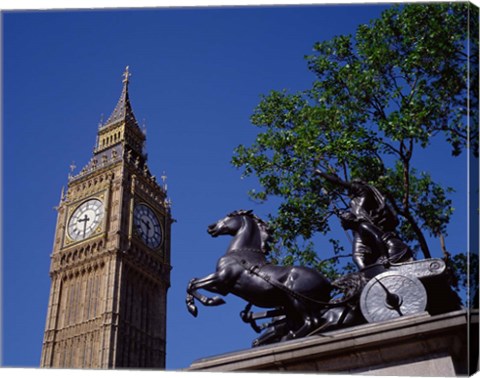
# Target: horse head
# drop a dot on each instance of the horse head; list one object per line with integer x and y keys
{"x": 226, "y": 226}
{"x": 243, "y": 220}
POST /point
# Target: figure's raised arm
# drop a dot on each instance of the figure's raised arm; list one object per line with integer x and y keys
{"x": 334, "y": 179}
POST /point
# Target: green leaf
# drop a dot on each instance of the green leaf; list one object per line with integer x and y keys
{"x": 377, "y": 97}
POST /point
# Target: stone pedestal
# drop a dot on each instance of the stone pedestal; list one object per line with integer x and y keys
{"x": 418, "y": 345}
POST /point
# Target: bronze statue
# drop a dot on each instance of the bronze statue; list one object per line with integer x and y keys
{"x": 382, "y": 246}
{"x": 300, "y": 301}
{"x": 368, "y": 206}
{"x": 299, "y": 292}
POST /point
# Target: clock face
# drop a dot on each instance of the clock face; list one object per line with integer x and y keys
{"x": 147, "y": 226}
{"x": 85, "y": 219}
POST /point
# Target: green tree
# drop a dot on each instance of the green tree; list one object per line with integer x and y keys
{"x": 400, "y": 82}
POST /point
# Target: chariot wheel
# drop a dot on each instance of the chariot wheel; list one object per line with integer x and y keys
{"x": 391, "y": 295}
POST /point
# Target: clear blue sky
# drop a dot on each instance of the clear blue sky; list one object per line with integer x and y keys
{"x": 197, "y": 75}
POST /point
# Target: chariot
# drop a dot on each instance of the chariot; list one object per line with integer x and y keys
{"x": 299, "y": 301}
{"x": 381, "y": 292}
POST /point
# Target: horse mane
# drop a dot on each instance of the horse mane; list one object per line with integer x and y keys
{"x": 265, "y": 230}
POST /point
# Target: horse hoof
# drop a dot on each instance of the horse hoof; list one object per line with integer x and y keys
{"x": 290, "y": 335}
{"x": 246, "y": 316}
{"x": 215, "y": 301}
{"x": 192, "y": 309}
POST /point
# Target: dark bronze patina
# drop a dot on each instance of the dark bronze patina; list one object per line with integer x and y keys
{"x": 300, "y": 301}
{"x": 369, "y": 217}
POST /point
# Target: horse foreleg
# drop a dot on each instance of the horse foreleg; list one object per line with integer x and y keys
{"x": 209, "y": 283}
{"x": 192, "y": 292}
{"x": 309, "y": 322}
{"x": 206, "y": 283}
{"x": 274, "y": 332}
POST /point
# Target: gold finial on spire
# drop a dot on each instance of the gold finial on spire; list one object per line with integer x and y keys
{"x": 126, "y": 75}
{"x": 164, "y": 180}
{"x": 72, "y": 168}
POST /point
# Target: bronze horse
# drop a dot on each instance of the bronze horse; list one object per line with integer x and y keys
{"x": 300, "y": 294}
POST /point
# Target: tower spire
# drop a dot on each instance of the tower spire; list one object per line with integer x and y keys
{"x": 123, "y": 110}
{"x": 121, "y": 128}
{"x": 126, "y": 75}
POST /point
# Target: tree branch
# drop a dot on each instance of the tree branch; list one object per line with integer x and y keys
{"x": 416, "y": 229}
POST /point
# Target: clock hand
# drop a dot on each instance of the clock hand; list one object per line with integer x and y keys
{"x": 147, "y": 224}
{"x": 85, "y": 220}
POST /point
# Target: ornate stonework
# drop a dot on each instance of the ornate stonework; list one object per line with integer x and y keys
{"x": 107, "y": 306}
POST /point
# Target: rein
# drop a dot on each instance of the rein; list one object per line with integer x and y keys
{"x": 257, "y": 271}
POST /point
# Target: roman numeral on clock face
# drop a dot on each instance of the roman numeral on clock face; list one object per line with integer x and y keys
{"x": 85, "y": 219}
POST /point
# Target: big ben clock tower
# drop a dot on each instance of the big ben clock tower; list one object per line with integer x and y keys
{"x": 110, "y": 265}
